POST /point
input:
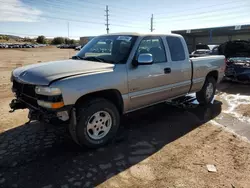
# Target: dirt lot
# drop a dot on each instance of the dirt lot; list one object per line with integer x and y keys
{"x": 162, "y": 146}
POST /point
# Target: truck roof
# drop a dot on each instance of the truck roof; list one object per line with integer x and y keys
{"x": 142, "y": 34}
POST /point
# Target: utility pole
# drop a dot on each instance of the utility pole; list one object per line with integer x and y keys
{"x": 152, "y": 23}
{"x": 107, "y": 18}
{"x": 68, "y": 37}
{"x": 68, "y": 29}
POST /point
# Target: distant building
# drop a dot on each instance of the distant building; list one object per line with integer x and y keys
{"x": 85, "y": 40}
{"x": 214, "y": 36}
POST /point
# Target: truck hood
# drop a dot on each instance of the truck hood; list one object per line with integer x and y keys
{"x": 45, "y": 73}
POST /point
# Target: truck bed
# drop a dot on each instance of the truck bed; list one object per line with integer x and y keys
{"x": 203, "y": 65}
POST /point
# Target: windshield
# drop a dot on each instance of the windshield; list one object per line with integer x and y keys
{"x": 109, "y": 49}
{"x": 201, "y": 52}
{"x": 202, "y": 46}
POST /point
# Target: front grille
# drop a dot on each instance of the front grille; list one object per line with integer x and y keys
{"x": 25, "y": 92}
{"x": 29, "y": 90}
{"x": 56, "y": 98}
{"x": 18, "y": 87}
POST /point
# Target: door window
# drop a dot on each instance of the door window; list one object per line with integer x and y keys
{"x": 176, "y": 48}
{"x": 154, "y": 46}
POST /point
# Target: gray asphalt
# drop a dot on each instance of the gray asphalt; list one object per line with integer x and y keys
{"x": 242, "y": 128}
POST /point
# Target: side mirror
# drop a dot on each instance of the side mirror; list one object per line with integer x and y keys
{"x": 145, "y": 59}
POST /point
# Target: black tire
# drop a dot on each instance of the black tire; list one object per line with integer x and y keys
{"x": 201, "y": 95}
{"x": 85, "y": 112}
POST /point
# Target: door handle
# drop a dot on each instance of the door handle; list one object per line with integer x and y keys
{"x": 167, "y": 70}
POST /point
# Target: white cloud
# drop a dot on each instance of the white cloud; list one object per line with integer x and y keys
{"x": 16, "y": 11}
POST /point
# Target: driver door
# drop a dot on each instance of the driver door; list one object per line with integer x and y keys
{"x": 148, "y": 84}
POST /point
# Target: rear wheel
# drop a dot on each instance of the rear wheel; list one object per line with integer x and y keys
{"x": 97, "y": 123}
{"x": 206, "y": 94}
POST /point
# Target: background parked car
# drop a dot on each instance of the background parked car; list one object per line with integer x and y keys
{"x": 3, "y": 46}
{"x": 237, "y": 55}
{"x": 78, "y": 48}
{"x": 26, "y": 45}
{"x": 200, "y": 52}
{"x": 68, "y": 46}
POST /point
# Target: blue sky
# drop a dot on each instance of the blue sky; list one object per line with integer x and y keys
{"x": 86, "y": 17}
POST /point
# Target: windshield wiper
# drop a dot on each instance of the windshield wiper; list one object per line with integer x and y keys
{"x": 93, "y": 58}
{"x": 77, "y": 57}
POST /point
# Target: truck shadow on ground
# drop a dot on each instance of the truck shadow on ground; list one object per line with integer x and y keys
{"x": 41, "y": 155}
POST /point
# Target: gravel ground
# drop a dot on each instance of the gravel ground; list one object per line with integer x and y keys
{"x": 161, "y": 146}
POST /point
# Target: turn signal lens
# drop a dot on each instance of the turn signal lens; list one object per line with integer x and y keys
{"x": 57, "y": 105}
{"x": 51, "y": 105}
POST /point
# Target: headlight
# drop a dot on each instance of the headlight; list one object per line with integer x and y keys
{"x": 48, "y": 91}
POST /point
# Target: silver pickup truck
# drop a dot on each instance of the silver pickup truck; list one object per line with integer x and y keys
{"x": 112, "y": 75}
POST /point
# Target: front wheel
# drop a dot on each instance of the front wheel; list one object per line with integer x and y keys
{"x": 206, "y": 94}
{"x": 98, "y": 122}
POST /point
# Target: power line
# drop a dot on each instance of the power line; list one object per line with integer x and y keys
{"x": 95, "y": 18}
{"x": 57, "y": 7}
{"x": 94, "y": 3}
{"x": 82, "y": 4}
{"x": 24, "y": 34}
{"x": 47, "y": 3}
{"x": 121, "y": 9}
{"x": 126, "y": 21}
{"x": 118, "y": 25}
{"x": 129, "y": 26}
{"x": 91, "y": 22}
{"x": 69, "y": 4}
{"x": 203, "y": 17}
{"x": 62, "y": 10}
{"x": 73, "y": 20}
{"x": 113, "y": 7}
{"x": 192, "y": 9}
{"x": 53, "y": 17}
{"x": 205, "y": 12}
{"x": 218, "y": 18}
{"x": 129, "y": 10}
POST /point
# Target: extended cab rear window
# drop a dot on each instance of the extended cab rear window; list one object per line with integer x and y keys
{"x": 176, "y": 48}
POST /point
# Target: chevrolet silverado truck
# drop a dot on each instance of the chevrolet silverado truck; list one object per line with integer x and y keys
{"x": 112, "y": 75}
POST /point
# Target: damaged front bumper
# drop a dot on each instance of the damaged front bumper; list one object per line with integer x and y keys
{"x": 66, "y": 114}
{"x": 16, "y": 105}
{"x": 42, "y": 114}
